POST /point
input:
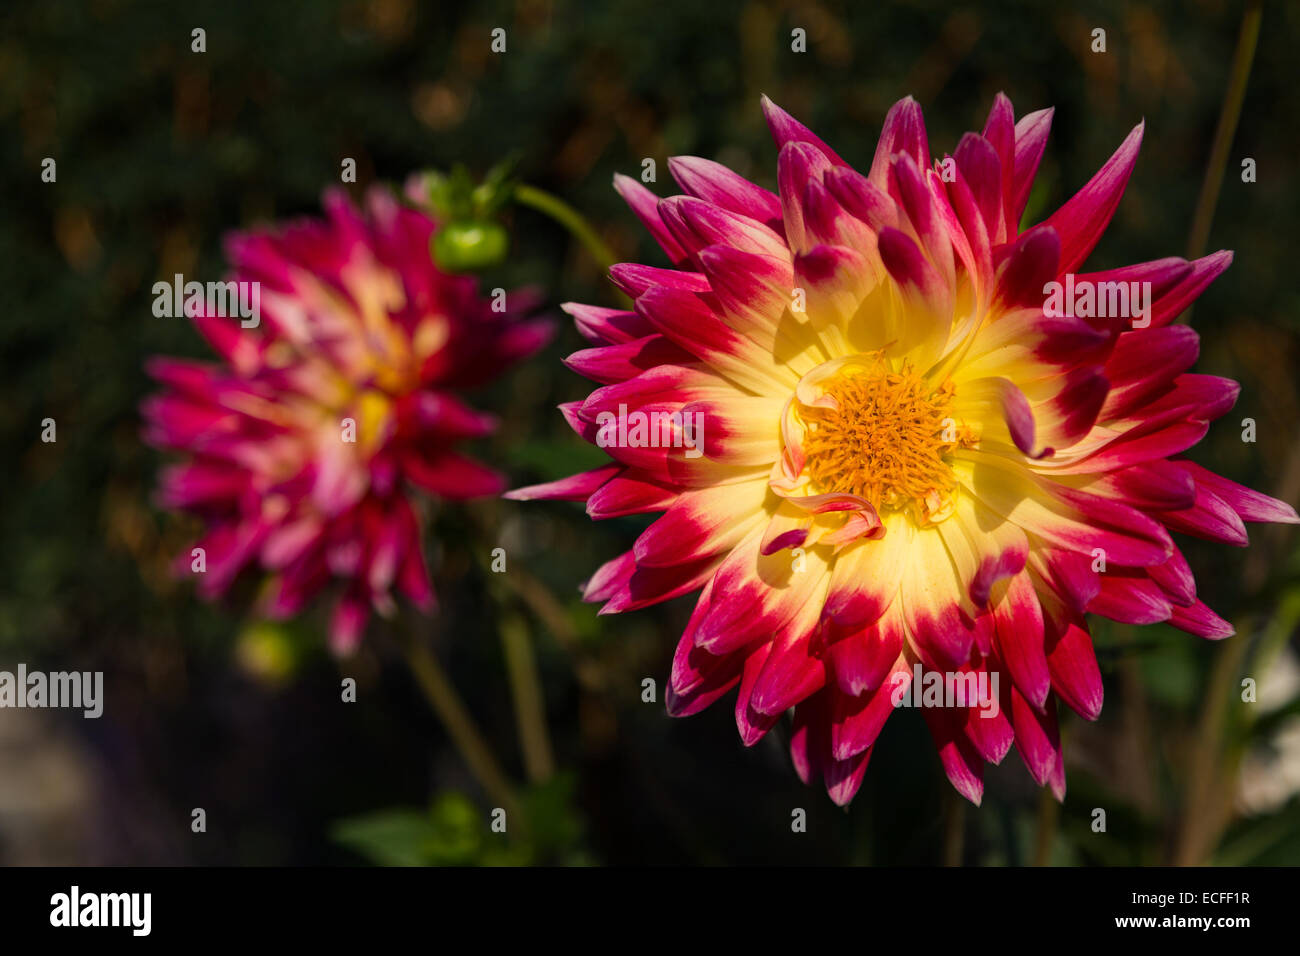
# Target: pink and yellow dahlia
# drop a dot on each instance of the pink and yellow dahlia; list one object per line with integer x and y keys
{"x": 886, "y": 445}
{"x": 306, "y": 439}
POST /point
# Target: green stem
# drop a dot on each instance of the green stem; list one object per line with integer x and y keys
{"x": 1200, "y": 823}
{"x": 530, "y": 706}
{"x": 441, "y": 694}
{"x": 1227, "y": 128}
{"x": 954, "y": 827}
{"x": 521, "y": 662}
{"x": 568, "y": 217}
{"x": 1048, "y": 813}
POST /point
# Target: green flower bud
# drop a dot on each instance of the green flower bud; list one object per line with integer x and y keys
{"x": 469, "y": 246}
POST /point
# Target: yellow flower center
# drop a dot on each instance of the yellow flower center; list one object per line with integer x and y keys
{"x": 885, "y": 440}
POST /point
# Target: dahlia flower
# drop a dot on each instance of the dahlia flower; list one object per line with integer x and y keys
{"x": 886, "y": 446}
{"x": 306, "y": 440}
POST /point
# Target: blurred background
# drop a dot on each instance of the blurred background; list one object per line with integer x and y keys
{"x": 162, "y": 151}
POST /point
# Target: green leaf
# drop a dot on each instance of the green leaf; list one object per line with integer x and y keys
{"x": 1271, "y": 839}
{"x": 389, "y": 837}
{"x": 553, "y": 824}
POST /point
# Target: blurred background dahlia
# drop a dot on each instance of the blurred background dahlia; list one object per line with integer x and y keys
{"x": 307, "y": 440}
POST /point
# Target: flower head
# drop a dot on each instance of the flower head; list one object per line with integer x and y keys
{"x": 895, "y": 439}
{"x": 305, "y": 441}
